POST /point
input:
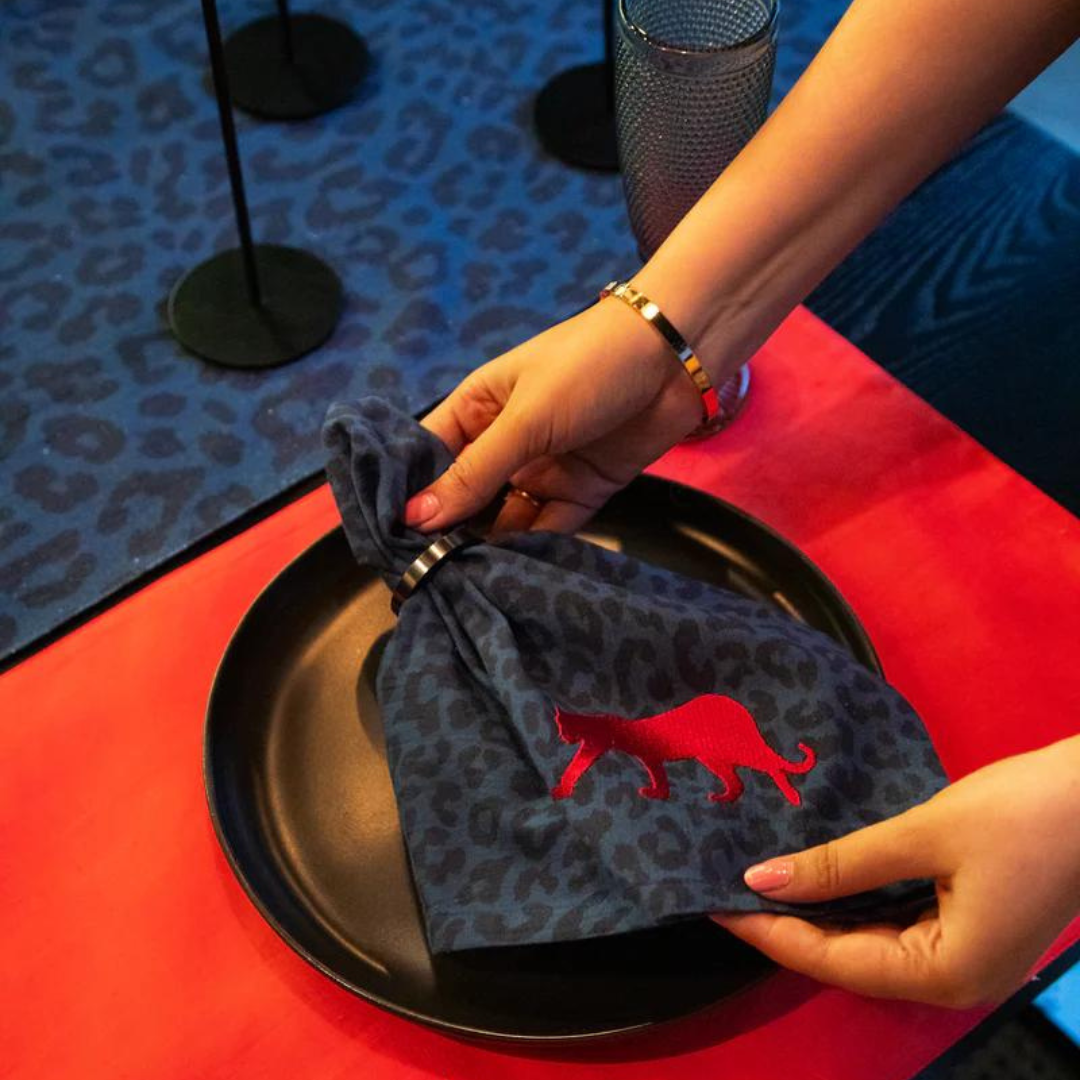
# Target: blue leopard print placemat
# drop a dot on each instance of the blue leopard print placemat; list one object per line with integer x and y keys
{"x": 455, "y": 237}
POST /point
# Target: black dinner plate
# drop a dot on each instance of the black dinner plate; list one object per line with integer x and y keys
{"x": 301, "y": 800}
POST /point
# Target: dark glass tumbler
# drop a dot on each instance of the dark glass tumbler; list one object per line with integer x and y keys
{"x": 692, "y": 86}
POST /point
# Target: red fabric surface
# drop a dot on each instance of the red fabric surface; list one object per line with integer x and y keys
{"x": 130, "y": 951}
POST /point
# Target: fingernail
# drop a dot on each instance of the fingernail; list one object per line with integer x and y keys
{"x": 421, "y": 507}
{"x": 767, "y": 876}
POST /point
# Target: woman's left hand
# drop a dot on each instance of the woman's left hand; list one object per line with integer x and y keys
{"x": 1003, "y": 846}
{"x": 570, "y": 416}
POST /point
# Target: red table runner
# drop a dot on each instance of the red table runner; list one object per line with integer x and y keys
{"x": 130, "y": 950}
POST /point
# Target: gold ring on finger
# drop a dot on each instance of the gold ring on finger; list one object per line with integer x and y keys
{"x": 528, "y": 496}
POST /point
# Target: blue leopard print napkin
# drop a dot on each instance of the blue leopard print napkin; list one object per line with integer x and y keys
{"x": 584, "y": 744}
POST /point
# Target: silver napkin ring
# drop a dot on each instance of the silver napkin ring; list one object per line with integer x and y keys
{"x": 426, "y": 561}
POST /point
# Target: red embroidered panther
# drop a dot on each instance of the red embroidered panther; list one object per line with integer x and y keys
{"x": 716, "y": 731}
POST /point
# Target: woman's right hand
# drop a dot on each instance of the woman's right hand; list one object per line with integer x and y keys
{"x": 570, "y": 416}
{"x": 1003, "y": 846}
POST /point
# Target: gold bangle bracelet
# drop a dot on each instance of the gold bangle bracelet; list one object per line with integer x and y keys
{"x": 651, "y": 313}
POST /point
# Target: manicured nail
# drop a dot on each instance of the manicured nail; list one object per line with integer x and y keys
{"x": 767, "y": 876}
{"x": 421, "y": 507}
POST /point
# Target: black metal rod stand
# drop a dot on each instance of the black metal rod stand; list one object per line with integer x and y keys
{"x": 220, "y": 76}
{"x": 294, "y": 66}
{"x": 285, "y": 25}
{"x": 258, "y": 305}
{"x": 574, "y": 113}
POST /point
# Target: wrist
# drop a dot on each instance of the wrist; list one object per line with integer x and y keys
{"x": 719, "y": 325}
{"x": 729, "y": 293}
{"x": 646, "y": 356}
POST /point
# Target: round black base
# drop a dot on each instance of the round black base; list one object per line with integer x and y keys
{"x": 329, "y": 61}
{"x": 210, "y": 313}
{"x": 575, "y": 121}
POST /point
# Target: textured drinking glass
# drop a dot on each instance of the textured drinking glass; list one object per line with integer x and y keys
{"x": 692, "y": 85}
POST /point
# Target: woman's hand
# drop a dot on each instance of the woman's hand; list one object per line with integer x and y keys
{"x": 1003, "y": 845}
{"x": 570, "y": 416}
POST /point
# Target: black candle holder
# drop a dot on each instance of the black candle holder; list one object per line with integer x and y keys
{"x": 258, "y": 305}
{"x": 291, "y": 67}
{"x": 574, "y": 113}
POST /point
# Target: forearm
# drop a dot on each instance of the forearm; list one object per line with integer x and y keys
{"x": 891, "y": 95}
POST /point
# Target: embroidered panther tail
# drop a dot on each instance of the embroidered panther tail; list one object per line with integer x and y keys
{"x": 804, "y": 766}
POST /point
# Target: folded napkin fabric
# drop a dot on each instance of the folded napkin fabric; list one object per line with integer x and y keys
{"x": 584, "y": 744}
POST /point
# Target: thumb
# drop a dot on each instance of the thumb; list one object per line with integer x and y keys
{"x": 475, "y": 476}
{"x": 896, "y": 849}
